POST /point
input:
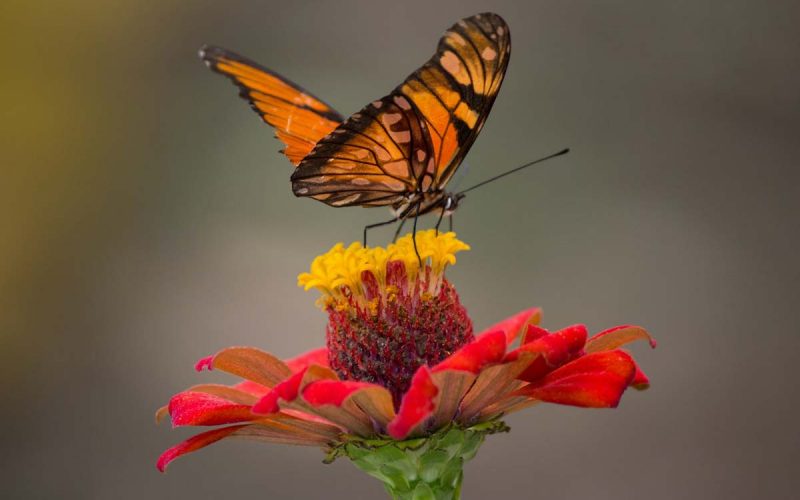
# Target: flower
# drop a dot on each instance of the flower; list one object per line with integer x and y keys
{"x": 402, "y": 369}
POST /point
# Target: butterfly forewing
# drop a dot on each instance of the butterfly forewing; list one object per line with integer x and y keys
{"x": 414, "y": 139}
{"x": 300, "y": 119}
{"x": 455, "y": 89}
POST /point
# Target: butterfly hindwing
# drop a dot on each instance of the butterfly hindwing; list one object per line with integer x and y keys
{"x": 300, "y": 119}
{"x": 376, "y": 157}
{"x": 414, "y": 139}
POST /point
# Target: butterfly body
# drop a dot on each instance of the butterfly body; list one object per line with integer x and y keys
{"x": 399, "y": 151}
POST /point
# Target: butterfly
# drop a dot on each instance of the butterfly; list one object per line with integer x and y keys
{"x": 398, "y": 151}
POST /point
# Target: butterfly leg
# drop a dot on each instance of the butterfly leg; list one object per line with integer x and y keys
{"x": 439, "y": 222}
{"x": 450, "y": 221}
{"x": 379, "y": 224}
{"x": 399, "y": 228}
{"x": 414, "y": 235}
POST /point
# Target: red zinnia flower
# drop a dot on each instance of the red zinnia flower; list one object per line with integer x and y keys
{"x": 402, "y": 370}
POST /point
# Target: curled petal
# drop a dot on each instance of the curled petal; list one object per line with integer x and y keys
{"x": 417, "y": 404}
{"x": 513, "y": 326}
{"x": 281, "y": 429}
{"x": 486, "y": 349}
{"x": 551, "y": 351}
{"x": 315, "y": 357}
{"x": 200, "y": 408}
{"x": 617, "y": 337}
{"x": 194, "y": 443}
{"x": 162, "y": 413}
{"x": 204, "y": 364}
{"x": 592, "y": 381}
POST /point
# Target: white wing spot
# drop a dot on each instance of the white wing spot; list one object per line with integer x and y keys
{"x": 398, "y": 168}
{"x": 391, "y": 118}
{"x": 402, "y": 102}
{"x": 458, "y": 39}
{"x": 451, "y": 63}
{"x": 489, "y": 54}
{"x": 346, "y": 200}
{"x": 420, "y": 155}
{"x": 401, "y": 137}
{"x": 360, "y": 181}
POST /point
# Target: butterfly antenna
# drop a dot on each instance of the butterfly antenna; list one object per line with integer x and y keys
{"x": 492, "y": 179}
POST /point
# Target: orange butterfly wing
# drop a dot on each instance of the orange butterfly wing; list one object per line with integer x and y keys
{"x": 374, "y": 158}
{"x": 413, "y": 140}
{"x": 300, "y": 119}
{"x": 455, "y": 90}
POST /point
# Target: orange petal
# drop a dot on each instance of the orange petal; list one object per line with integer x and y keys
{"x": 617, "y": 337}
{"x": 251, "y": 364}
{"x": 493, "y": 384}
{"x": 274, "y": 432}
{"x": 452, "y": 385}
{"x": 232, "y": 393}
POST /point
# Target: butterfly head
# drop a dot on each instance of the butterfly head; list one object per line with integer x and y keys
{"x": 450, "y": 202}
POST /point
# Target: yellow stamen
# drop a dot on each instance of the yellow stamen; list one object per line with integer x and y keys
{"x": 339, "y": 270}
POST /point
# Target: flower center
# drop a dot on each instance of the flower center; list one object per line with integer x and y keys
{"x": 387, "y": 314}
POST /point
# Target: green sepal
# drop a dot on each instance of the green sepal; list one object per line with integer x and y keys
{"x": 427, "y": 468}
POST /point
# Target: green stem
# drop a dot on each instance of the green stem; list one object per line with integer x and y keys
{"x": 428, "y": 468}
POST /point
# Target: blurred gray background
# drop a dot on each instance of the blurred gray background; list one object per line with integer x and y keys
{"x": 148, "y": 221}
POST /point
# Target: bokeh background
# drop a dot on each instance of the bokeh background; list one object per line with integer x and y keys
{"x": 148, "y": 220}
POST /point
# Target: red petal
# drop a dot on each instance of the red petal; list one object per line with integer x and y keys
{"x": 617, "y": 337}
{"x": 286, "y": 390}
{"x": 513, "y": 326}
{"x": 592, "y": 381}
{"x": 640, "y": 381}
{"x": 486, "y": 349}
{"x": 194, "y": 443}
{"x": 417, "y": 404}
{"x": 359, "y": 399}
{"x": 315, "y": 357}
{"x": 533, "y": 332}
{"x": 331, "y": 392}
{"x": 553, "y": 351}
{"x": 335, "y": 401}
{"x": 200, "y": 408}
{"x": 204, "y": 363}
